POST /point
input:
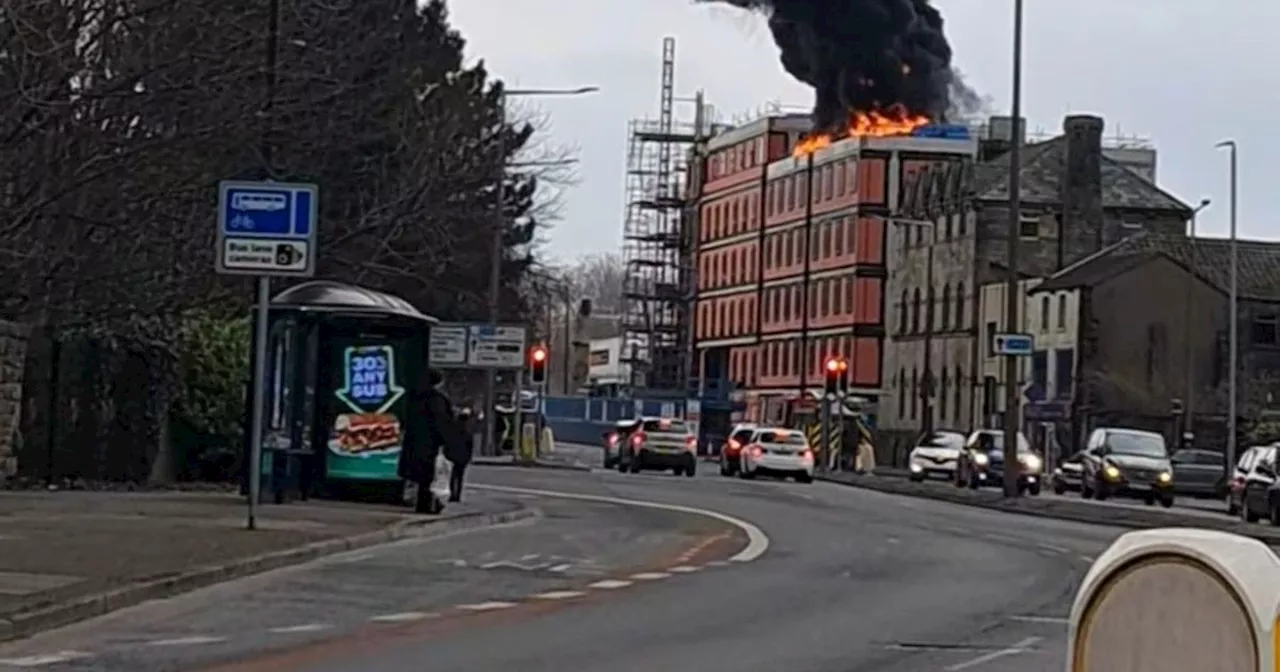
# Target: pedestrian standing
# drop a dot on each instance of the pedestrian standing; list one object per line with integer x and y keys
{"x": 460, "y": 454}
{"x": 424, "y": 440}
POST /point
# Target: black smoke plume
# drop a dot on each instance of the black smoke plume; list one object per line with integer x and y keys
{"x": 864, "y": 55}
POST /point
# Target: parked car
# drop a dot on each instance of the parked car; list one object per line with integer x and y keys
{"x": 1066, "y": 477}
{"x": 936, "y": 455}
{"x": 777, "y": 451}
{"x": 616, "y": 439}
{"x": 981, "y": 462}
{"x": 1127, "y": 462}
{"x": 731, "y": 451}
{"x": 1260, "y": 498}
{"x": 1198, "y": 473}
{"x": 1240, "y": 475}
{"x": 660, "y": 444}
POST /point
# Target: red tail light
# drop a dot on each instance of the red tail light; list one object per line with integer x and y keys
{"x": 613, "y": 439}
{"x": 690, "y": 442}
{"x": 756, "y": 451}
{"x": 637, "y": 438}
{"x": 806, "y": 454}
{"x": 734, "y": 444}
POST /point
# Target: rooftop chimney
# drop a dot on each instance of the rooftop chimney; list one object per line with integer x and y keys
{"x": 1081, "y": 229}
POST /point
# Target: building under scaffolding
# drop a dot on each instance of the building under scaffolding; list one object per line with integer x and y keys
{"x": 657, "y": 251}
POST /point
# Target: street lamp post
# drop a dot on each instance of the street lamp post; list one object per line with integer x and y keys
{"x": 1012, "y": 293}
{"x": 1233, "y": 336}
{"x": 495, "y": 252}
{"x": 1188, "y": 417}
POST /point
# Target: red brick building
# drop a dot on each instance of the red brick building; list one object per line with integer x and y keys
{"x": 791, "y": 256}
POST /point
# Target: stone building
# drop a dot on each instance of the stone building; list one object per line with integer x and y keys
{"x": 950, "y": 239}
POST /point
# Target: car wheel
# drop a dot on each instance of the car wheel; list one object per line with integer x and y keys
{"x": 1100, "y": 492}
{"x": 1059, "y": 489}
{"x": 677, "y": 471}
{"x": 1034, "y": 489}
{"x": 916, "y": 478}
{"x": 633, "y": 465}
{"x": 973, "y": 481}
{"x": 1247, "y": 514}
{"x": 1233, "y": 509}
{"x": 804, "y": 478}
{"x": 1149, "y": 500}
{"x": 1166, "y": 502}
{"x": 622, "y": 466}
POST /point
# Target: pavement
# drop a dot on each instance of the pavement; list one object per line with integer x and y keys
{"x": 634, "y": 573}
{"x": 65, "y": 556}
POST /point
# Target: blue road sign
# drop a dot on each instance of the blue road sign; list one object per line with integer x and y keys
{"x": 1013, "y": 344}
{"x": 267, "y": 228}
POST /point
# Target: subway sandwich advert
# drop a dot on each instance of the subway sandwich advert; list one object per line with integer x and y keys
{"x": 364, "y": 442}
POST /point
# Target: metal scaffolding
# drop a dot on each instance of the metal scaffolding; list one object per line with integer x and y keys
{"x": 658, "y": 288}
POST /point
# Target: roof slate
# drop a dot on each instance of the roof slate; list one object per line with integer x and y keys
{"x": 1258, "y": 276}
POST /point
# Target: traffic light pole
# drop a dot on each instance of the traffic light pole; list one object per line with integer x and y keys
{"x": 823, "y": 455}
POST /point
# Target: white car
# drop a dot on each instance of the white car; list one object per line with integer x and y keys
{"x": 936, "y": 455}
{"x": 659, "y": 444}
{"x": 776, "y": 451}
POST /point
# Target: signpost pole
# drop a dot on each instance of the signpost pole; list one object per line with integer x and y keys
{"x": 517, "y": 412}
{"x": 259, "y": 397}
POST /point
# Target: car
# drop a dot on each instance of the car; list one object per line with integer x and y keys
{"x": 1066, "y": 477}
{"x": 1259, "y": 497}
{"x": 935, "y": 455}
{"x": 1198, "y": 473}
{"x": 659, "y": 444}
{"x": 617, "y": 438}
{"x": 731, "y": 451}
{"x": 1240, "y": 475}
{"x": 777, "y": 451}
{"x": 1127, "y": 462}
{"x": 981, "y": 462}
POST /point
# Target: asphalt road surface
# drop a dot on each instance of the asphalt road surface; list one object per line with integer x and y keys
{"x": 848, "y": 581}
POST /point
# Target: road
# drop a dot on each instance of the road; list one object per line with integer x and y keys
{"x": 850, "y": 581}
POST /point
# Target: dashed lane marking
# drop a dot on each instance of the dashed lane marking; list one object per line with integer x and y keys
{"x": 559, "y": 595}
{"x": 683, "y": 569}
{"x": 650, "y": 576}
{"x": 46, "y": 659}
{"x": 1057, "y": 620}
{"x": 185, "y": 641}
{"x": 487, "y": 606}
{"x": 610, "y": 584}
{"x": 1021, "y": 647}
{"x": 405, "y": 617}
{"x": 757, "y": 541}
{"x": 306, "y": 627}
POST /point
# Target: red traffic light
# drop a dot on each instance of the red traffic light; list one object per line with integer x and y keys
{"x": 539, "y": 354}
{"x": 833, "y": 365}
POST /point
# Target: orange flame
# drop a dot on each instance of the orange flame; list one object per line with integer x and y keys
{"x": 894, "y": 121}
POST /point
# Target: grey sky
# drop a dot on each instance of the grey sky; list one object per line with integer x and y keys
{"x": 1183, "y": 74}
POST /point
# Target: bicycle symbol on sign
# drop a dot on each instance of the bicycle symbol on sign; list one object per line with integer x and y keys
{"x": 241, "y": 222}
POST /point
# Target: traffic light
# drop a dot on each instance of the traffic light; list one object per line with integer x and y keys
{"x": 831, "y": 374}
{"x": 538, "y": 365}
{"x": 844, "y": 377}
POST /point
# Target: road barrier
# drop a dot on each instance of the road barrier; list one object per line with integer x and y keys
{"x": 1178, "y": 600}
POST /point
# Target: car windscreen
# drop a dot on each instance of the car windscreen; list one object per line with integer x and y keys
{"x": 1133, "y": 443}
{"x": 664, "y": 425}
{"x": 943, "y": 440}
{"x": 995, "y": 441}
{"x": 785, "y": 438}
{"x": 742, "y": 435}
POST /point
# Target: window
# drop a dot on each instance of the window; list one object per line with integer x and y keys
{"x": 915, "y": 312}
{"x": 945, "y": 309}
{"x": 1064, "y": 372}
{"x": 1266, "y": 330}
{"x": 1131, "y": 223}
{"x": 991, "y": 338}
{"x": 959, "y": 392}
{"x": 1029, "y": 225}
{"x": 1155, "y": 351}
{"x": 915, "y": 398}
{"x": 1044, "y": 313}
{"x": 942, "y": 395}
{"x": 1062, "y": 312}
{"x": 929, "y": 324}
{"x": 960, "y": 321}
{"x": 903, "y": 307}
{"x": 902, "y": 393}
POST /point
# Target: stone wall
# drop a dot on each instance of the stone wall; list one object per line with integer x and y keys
{"x": 13, "y": 353}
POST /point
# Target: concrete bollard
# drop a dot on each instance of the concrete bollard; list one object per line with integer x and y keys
{"x": 548, "y": 440}
{"x": 1177, "y": 600}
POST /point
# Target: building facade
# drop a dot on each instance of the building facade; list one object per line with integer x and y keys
{"x": 951, "y": 239}
{"x": 792, "y": 258}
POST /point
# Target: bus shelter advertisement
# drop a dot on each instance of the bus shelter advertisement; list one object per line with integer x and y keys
{"x": 369, "y": 415}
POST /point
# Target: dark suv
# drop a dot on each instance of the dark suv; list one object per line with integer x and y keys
{"x": 1127, "y": 462}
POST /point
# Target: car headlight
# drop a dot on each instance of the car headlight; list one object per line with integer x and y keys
{"x": 1032, "y": 463}
{"x": 981, "y": 460}
{"x": 1165, "y": 477}
{"x": 916, "y": 467}
{"x": 1111, "y": 472}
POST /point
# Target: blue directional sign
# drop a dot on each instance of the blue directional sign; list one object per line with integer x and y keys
{"x": 267, "y": 228}
{"x": 1018, "y": 345}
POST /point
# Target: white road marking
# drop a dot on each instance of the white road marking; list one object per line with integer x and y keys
{"x": 757, "y": 541}
{"x": 186, "y": 641}
{"x": 531, "y": 556}
{"x": 306, "y": 627}
{"x": 487, "y": 606}
{"x": 1054, "y": 549}
{"x": 560, "y": 568}
{"x": 46, "y": 659}
{"x": 1040, "y": 619}
{"x": 684, "y": 569}
{"x": 559, "y": 595}
{"x": 650, "y": 576}
{"x": 610, "y": 584}
{"x": 402, "y": 618}
{"x": 1020, "y": 647}
{"x": 717, "y": 563}
{"x": 1088, "y": 558}
{"x": 355, "y": 558}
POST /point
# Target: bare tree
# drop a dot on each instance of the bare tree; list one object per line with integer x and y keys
{"x": 600, "y": 278}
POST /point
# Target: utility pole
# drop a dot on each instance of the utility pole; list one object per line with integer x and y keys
{"x": 1188, "y": 416}
{"x": 1233, "y": 327}
{"x": 1012, "y": 294}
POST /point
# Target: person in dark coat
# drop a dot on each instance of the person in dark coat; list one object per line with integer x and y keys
{"x": 460, "y": 454}
{"x": 424, "y": 440}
